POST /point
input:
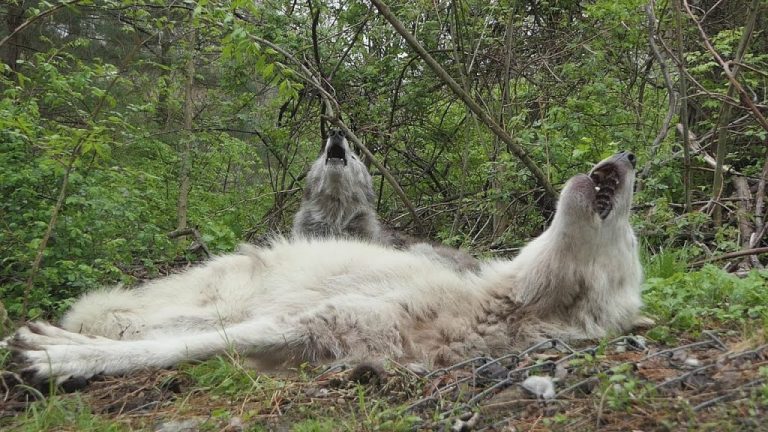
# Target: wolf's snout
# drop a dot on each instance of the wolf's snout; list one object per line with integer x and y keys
{"x": 336, "y": 152}
{"x": 629, "y": 156}
{"x": 336, "y": 136}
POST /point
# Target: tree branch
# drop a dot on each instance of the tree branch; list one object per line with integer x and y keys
{"x": 511, "y": 143}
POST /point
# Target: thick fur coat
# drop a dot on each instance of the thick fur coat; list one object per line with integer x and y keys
{"x": 338, "y": 196}
{"x": 343, "y": 299}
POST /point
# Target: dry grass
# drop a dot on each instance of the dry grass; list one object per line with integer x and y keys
{"x": 708, "y": 382}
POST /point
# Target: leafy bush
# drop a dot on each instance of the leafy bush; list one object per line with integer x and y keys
{"x": 695, "y": 301}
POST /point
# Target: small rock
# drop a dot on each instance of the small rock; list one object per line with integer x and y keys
{"x": 561, "y": 372}
{"x": 368, "y": 373}
{"x": 541, "y": 386}
{"x": 693, "y": 362}
{"x": 235, "y": 425}
{"x": 494, "y": 371}
{"x": 189, "y": 425}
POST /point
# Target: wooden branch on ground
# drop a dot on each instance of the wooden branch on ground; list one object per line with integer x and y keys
{"x": 198, "y": 244}
{"x": 737, "y": 254}
{"x": 481, "y": 113}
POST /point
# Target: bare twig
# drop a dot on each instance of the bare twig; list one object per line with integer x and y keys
{"x": 695, "y": 145}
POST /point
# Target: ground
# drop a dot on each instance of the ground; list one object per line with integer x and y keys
{"x": 703, "y": 366}
{"x": 710, "y": 380}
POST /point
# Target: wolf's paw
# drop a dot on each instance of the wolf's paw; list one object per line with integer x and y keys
{"x": 45, "y": 353}
{"x": 43, "y": 333}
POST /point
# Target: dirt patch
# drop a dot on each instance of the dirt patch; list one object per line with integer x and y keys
{"x": 711, "y": 381}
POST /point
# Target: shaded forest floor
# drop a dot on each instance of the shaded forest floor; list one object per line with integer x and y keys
{"x": 708, "y": 381}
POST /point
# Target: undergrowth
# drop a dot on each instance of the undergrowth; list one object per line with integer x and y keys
{"x": 691, "y": 301}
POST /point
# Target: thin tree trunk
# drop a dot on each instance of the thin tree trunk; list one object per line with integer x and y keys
{"x": 51, "y": 225}
{"x": 500, "y": 215}
{"x": 743, "y": 213}
{"x": 683, "y": 89}
{"x": 465, "y": 137}
{"x": 186, "y": 150}
{"x": 672, "y": 95}
{"x": 725, "y": 112}
{"x": 760, "y": 206}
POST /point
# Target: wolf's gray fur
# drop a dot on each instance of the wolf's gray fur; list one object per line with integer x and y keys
{"x": 338, "y": 202}
{"x": 338, "y": 196}
{"x": 346, "y": 300}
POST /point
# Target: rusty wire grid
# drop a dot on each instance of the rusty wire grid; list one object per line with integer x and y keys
{"x": 615, "y": 385}
{"x": 621, "y": 384}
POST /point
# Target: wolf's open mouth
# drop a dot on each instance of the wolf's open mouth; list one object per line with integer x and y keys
{"x": 606, "y": 180}
{"x": 336, "y": 155}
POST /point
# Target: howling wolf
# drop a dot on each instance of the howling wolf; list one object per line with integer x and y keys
{"x": 338, "y": 197}
{"x": 344, "y": 299}
{"x": 338, "y": 202}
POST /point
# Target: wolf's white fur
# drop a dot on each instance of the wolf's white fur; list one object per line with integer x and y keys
{"x": 343, "y": 299}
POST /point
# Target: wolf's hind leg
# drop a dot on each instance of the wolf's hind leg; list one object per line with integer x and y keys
{"x": 113, "y": 313}
{"x": 44, "y": 356}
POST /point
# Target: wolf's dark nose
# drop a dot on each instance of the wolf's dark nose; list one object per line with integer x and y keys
{"x": 336, "y": 135}
{"x": 632, "y": 159}
{"x": 629, "y": 156}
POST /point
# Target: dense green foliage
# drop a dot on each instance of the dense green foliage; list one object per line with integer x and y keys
{"x": 107, "y": 105}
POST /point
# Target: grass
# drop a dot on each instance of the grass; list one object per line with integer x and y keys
{"x": 64, "y": 414}
{"x": 629, "y": 391}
